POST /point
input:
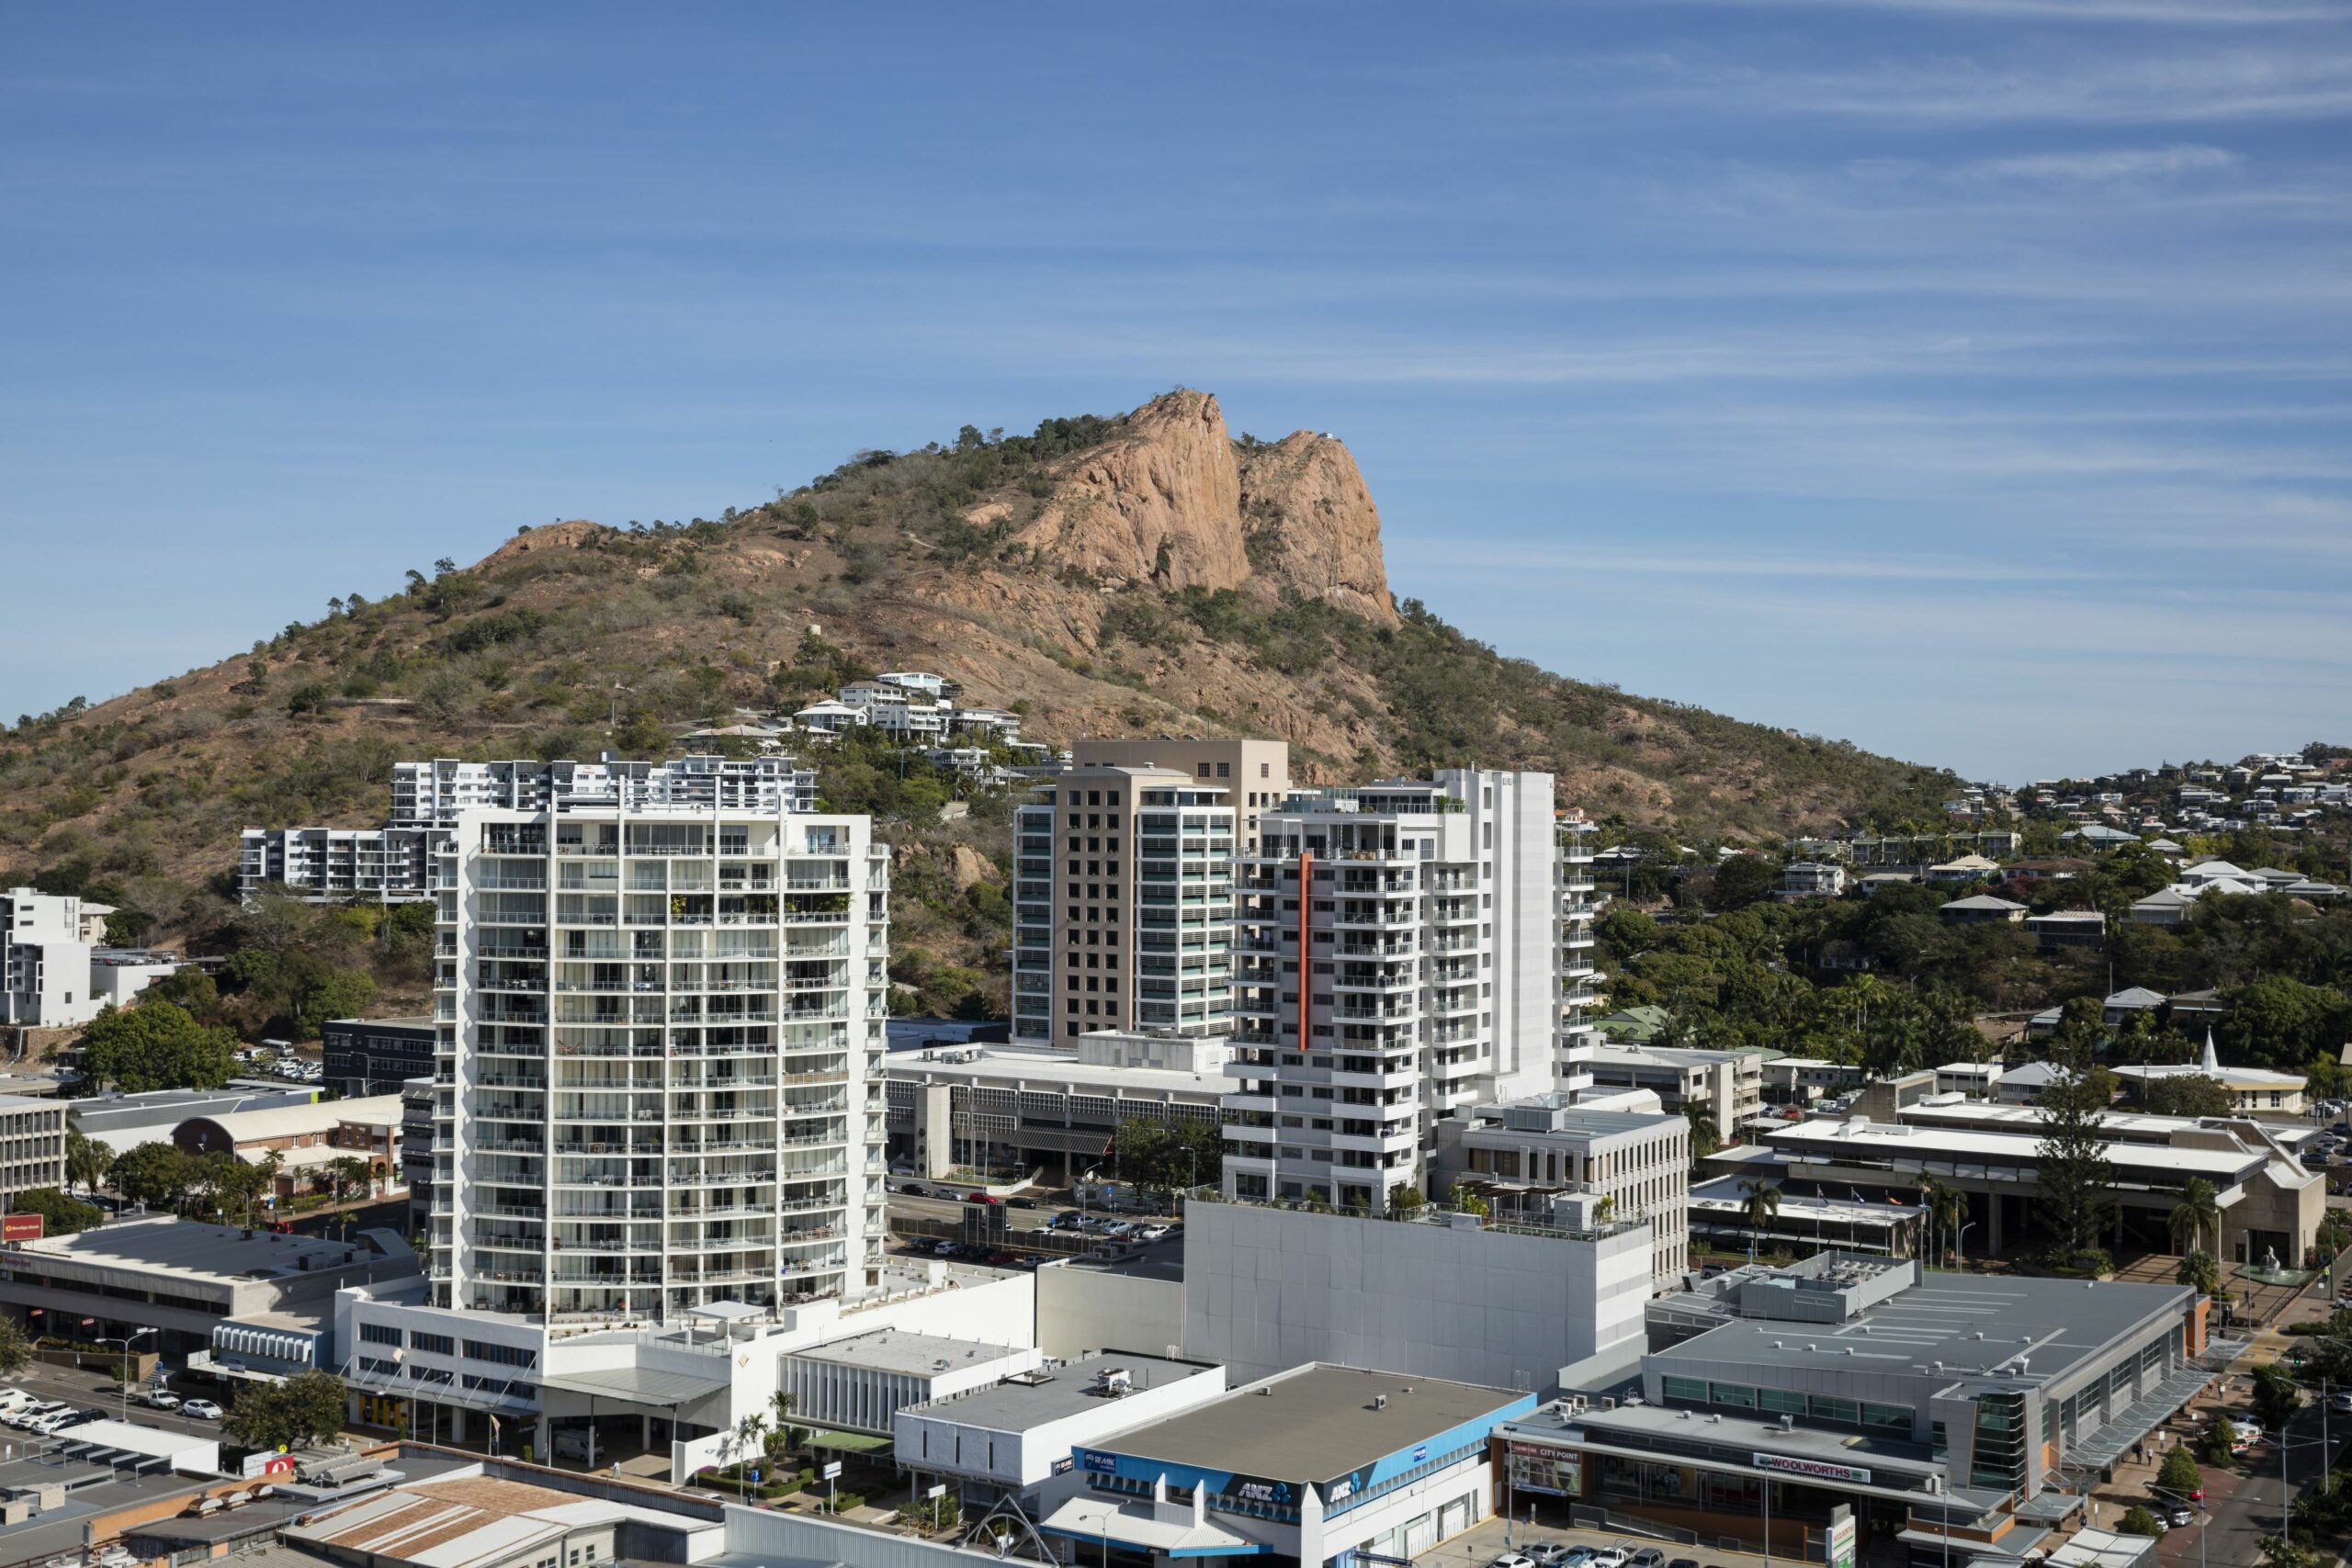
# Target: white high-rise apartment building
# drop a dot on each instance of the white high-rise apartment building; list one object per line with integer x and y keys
{"x": 1404, "y": 950}
{"x": 661, "y": 1021}
{"x": 46, "y": 939}
{"x": 1123, "y": 905}
{"x": 391, "y": 865}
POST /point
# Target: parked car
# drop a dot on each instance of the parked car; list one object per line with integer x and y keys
{"x": 2177, "y": 1514}
{"x": 1153, "y": 1233}
{"x": 1020, "y": 1202}
{"x": 1684, "y": 1562}
{"x": 1609, "y": 1557}
{"x": 981, "y": 1198}
{"x": 1511, "y": 1559}
{"x": 1647, "y": 1557}
{"x": 39, "y": 1409}
{"x": 159, "y": 1399}
{"x": 1544, "y": 1553}
{"x": 202, "y": 1409}
{"x": 15, "y": 1399}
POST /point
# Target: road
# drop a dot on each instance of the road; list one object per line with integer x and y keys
{"x": 89, "y": 1387}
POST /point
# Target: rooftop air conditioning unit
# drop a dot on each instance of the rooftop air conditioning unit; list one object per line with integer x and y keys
{"x": 1380, "y": 1402}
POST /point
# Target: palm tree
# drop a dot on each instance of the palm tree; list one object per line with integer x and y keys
{"x": 1763, "y": 1206}
{"x": 748, "y": 1432}
{"x": 783, "y": 1402}
{"x": 2197, "y": 1215}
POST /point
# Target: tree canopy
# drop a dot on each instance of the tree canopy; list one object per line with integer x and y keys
{"x": 157, "y": 1045}
{"x": 306, "y": 1408}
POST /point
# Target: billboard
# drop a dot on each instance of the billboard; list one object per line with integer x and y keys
{"x": 1540, "y": 1467}
{"x": 14, "y": 1228}
{"x": 1813, "y": 1469}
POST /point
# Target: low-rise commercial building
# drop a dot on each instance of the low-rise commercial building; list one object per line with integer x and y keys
{"x": 1801, "y": 1080}
{"x": 1519, "y": 1156}
{"x": 187, "y": 1279}
{"x": 122, "y": 1121}
{"x": 364, "y": 1056}
{"x": 32, "y": 1145}
{"x": 1014, "y": 1436}
{"x": 2271, "y": 1207}
{"x": 1729, "y": 1083}
{"x": 1033, "y": 1107}
{"x": 1314, "y": 1464}
{"x": 2256, "y": 1089}
{"x": 307, "y": 1140}
{"x": 1919, "y": 1403}
{"x": 852, "y": 1390}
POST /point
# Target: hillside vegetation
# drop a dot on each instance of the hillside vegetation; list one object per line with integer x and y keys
{"x": 1143, "y": 574}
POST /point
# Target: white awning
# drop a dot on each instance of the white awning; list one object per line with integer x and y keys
{"x": 1098, "y": 1519}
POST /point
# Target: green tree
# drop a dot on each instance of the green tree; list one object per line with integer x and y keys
{"x": 306, "y": 1408}
{"x": 1740, "y": 881}
{"x": 343, "y": 993}
{"x": 2075, "y": 1178}
{"x": 2275, "y": 1397}
{"x": 61, "y": 1215}
{"x": 349, "y": 1174}
{"x": 2280, "y": 1021}
{"x": 1701, "y": 1114}
{"x": 2219, "y": 1447}
{"x": 86, "y": 1159}
{"x": 2279, "y": 1552}
{"x": 2179, "y": 1472}
{"x": 157, "y": 1045}
{"x": 1182, "y": 1151}
{"x": 2137, "y": 1520}
{"x": 2191, "y": 1094}
{"x": 1761, "y": 1200}
{"x": 2203, "y": 1271}
{"x": 2197, "y": 1215}
{"x": 15, "y": 1349}
{"x": 157, "y": 1175}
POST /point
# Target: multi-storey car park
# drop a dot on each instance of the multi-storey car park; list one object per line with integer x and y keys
{"x": 1123, "y": 905}
{"x": 1405, "y": 948}
{"x": 660, "y": 1024}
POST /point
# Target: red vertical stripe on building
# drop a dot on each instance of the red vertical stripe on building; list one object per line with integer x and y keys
{"x": 1306, "y": 944}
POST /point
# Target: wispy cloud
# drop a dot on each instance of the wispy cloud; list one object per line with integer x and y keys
{"x": 2109, "y": 163}
{"x": 2168, "y": 13}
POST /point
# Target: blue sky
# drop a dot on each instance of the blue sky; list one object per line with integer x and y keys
{"x": 1969, "y": 379}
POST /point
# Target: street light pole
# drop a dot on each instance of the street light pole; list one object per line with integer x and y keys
{"x": 1959, "y": 1243}
{"x": 125, "y": 1341}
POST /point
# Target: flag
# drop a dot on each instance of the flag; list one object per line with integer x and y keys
{"x": 1893, "y": 1199}
{"x": 1111, "y": 1146}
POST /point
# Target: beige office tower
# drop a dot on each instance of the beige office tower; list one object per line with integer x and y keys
{"x": 1256, "y": 773}
{"x": 1123, "y": 901}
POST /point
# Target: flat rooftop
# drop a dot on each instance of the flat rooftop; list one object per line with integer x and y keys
{"x": 1882, "y": 1139}
{"x": 1313, "y": 1424}
{"x": 1050, "y": 1394}
{"x": 185, "y": 1250}
{"x": 1723, "y": 1196}
{"x": 1971, "y": 1323}
{"x": 902, "y": 1350}
{"x": 1031, "y": 1064}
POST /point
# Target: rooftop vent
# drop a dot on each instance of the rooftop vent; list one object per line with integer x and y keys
{"x": 1380, "y": 1402}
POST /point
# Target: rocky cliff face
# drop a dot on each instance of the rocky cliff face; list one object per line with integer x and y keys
{"x": 1173, "y": 502}
{"x": 1310, "y": 524}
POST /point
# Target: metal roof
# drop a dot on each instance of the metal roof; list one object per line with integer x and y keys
{"x": 638, "y": 1385}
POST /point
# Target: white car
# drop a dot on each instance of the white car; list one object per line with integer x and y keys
{"x": 202, "y": 1409}
{"x": 1609, "y": 1557}
{"x": 159, "y": 1400}
{"x": 25, "y": 1415}
{"x": 15, "y": 1399}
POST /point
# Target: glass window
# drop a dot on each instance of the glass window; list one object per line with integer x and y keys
{"x": 1782, "y": 1401}
{"x": 1891, "y": 1417}
{"x": 1691, "y": 1389}
{"x": 1823, "y": 1409}
{"x": 1733, "y": 1393}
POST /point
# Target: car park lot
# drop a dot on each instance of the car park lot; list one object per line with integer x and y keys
{"x": 85, "y": 1389}
{"x": 1544, "y": 1546}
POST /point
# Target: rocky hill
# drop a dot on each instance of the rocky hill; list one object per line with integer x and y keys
{"x": 1143, "y": 574}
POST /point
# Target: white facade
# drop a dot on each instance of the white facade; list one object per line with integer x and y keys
{"x": 1267, "y": 1289}
{"x": 1405, "y": 949}
{"x": 1123, "y": 905}
{"x": 859, "y": 1383}
{"x": 392, "y": 864}
{"x": 662, "y": 1028}
{"x": 1520, "y": 1157}
{"x": 1016, "y": 1436}
{"x": 45, "y": 946}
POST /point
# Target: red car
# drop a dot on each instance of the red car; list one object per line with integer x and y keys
{"x": 980, "y": 1198}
